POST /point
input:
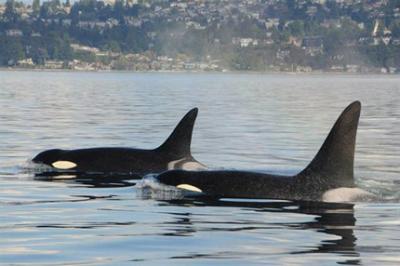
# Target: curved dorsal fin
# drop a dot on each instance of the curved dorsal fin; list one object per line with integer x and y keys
{"x": 178, "y": 143}
{"x": 334, "y": 162}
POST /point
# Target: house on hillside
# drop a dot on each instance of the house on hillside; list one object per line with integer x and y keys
{"x": 14, "y": 33}
{"x": 313, "y": 45}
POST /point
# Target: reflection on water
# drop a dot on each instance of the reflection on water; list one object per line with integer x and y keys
{"x": 94, "y": 180}
{"x": 273, "y": 123}
{"x": 330, "y": 218}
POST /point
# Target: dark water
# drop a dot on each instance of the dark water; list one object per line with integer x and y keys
{"x": 270, "y": 123}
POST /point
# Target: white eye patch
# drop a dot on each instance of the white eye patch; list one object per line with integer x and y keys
{"x": 63, "y": 177}
{"x": 189, "y": 187}
{"x": 63, "y": 165}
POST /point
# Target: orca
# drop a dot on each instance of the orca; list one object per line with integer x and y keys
{"x": 174, "y": 153}
{"x": 328, "y": 177}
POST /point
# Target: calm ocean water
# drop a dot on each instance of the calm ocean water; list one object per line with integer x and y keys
{"x": 272, "y": 123}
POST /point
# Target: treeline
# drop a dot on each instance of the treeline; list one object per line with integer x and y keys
{"x": 51, "y": 28}
{"x": 269, "y": 34}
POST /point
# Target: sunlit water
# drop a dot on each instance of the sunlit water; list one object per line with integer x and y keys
{"x": 272, "y": 123}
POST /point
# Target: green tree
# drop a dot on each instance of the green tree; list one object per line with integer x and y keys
{"x": 379, "y": 55}
{"x": 395, "y": 28}
{"x": 10, "y": 13}
{"x": 119, "y": 8}
{"x": 39, "y": 55}
{"x": 112, "y": 46}
{"x": 296, "y": 28}
{"x": 11, "y": 50}
{"x": 333, "y": 41}
{"x": 36, "y": 6}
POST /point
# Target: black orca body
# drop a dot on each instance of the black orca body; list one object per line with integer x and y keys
{"x": 174, "y": 153}
{"x": 329, "y": 176}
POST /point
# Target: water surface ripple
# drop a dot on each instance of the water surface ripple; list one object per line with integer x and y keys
{"x": 272, "y": 123}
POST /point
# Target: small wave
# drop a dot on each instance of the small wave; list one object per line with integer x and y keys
{"x": 385, "y": 190}
{"x": 150, "y": 188}
{"x": 20, "y": 169}
{"x": 31, "y": 167}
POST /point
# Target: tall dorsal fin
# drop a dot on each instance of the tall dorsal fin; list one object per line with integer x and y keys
{"x": 178, "y": 143}
{"x": 334, "y": 162}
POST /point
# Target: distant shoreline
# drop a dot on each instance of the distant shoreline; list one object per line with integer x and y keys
{"x": 316, "y": 72}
